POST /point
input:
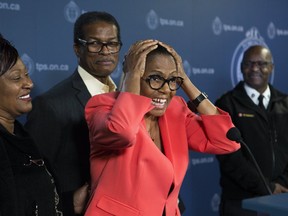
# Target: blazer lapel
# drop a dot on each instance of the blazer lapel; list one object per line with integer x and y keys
{"x": 167, "y": 143}
{"x": 82, "y": 93}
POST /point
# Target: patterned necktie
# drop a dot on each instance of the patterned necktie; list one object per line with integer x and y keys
{"x": 261, "y": 105}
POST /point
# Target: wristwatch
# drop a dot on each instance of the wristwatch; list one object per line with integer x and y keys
{"x": 199, "y": 99}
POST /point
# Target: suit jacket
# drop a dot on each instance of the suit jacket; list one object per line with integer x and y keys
{"x": 130, "y": 175}
{"x": 58, "y": 125}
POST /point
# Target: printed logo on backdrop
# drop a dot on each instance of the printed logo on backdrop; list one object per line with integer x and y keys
{"x": 200, "y": 161}
{"x": 215, "y": 202}
{"x": 196, "y": 71}
{"x": 218, "y": 27}
{"x": 272, "y": 31}
{"x": 196, "y": 161}
{"x": 71, "y": 12}
{"x": 9, "y": 6}
{"x": 252, "y": 38}
{"x": 41, "y": 67}
{"x": 153, "y": 21}
{"x": 29, "y": 63}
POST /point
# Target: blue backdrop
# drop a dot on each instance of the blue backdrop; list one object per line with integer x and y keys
{"x": 209, "y": 35}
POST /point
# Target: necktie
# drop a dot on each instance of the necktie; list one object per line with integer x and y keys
{"x": 260, "y": 99}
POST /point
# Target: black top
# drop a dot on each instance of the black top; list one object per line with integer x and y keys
{"x": 35, "y": 190}
{"x": 265, "y": 133}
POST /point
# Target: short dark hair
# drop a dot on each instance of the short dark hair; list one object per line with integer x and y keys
{"x": 8, "y": 55}
{"x": 92, "y": 17}
{"x": 159, "y": 50}
{"x": 253, "y": 48}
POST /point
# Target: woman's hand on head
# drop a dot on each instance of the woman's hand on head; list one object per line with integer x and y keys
{"x": 177, "y": 58}
{"x": 135, "y": 60}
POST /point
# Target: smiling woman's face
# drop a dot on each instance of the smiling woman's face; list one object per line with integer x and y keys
{"x": 15, "y": 88}
{"x": 162, "y": 65}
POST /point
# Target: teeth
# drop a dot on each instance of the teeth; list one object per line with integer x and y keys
{"x": 159, "y": 101}
{"x": 25, "y": 96}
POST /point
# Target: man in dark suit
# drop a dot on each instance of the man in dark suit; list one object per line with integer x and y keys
{"x": 57, "y": 121}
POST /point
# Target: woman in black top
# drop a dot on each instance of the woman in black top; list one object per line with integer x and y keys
{"x": 26, "y": 186}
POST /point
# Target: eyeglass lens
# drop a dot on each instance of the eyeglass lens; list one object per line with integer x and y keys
{"x": 259, "y": 64}
{"x": 157, "y": 82}
{"x": 97, "y": 46}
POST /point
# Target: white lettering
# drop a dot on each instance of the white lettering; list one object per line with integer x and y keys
{"x": 233, "y": 28}
{"x": 196, "y": 161}
{"x": 282, "y": 32}
{"x": 9, "y": 6}
{"x": 196, "y": 71}
{"x": 51, "y": 67}
{"x": 178, "y": 23}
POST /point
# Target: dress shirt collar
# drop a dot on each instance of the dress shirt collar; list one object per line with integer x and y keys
{"x": 253, "y": 94}
{"x": 93, "y": 85}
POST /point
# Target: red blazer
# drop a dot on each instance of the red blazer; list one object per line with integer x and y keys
{"x": 129, "y": 175}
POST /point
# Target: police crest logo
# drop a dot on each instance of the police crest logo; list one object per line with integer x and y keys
{"x": 29, "y": 63}
{"x": 71, "y": 12}
{"x": 152, "y": 20}
{"x": 217, "y": 26}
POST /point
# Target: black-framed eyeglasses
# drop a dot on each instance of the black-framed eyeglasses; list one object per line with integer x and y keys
{"x": 260, "y": 64}
{"x": 156, "y": 82}
{"x": 97, "y": 46}
{"x": 37, "y": 162}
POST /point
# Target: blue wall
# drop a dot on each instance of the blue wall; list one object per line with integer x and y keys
{"x": 210, "y": 36}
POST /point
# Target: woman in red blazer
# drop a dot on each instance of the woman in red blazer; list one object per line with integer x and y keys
{"x": 140, "y": 137}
